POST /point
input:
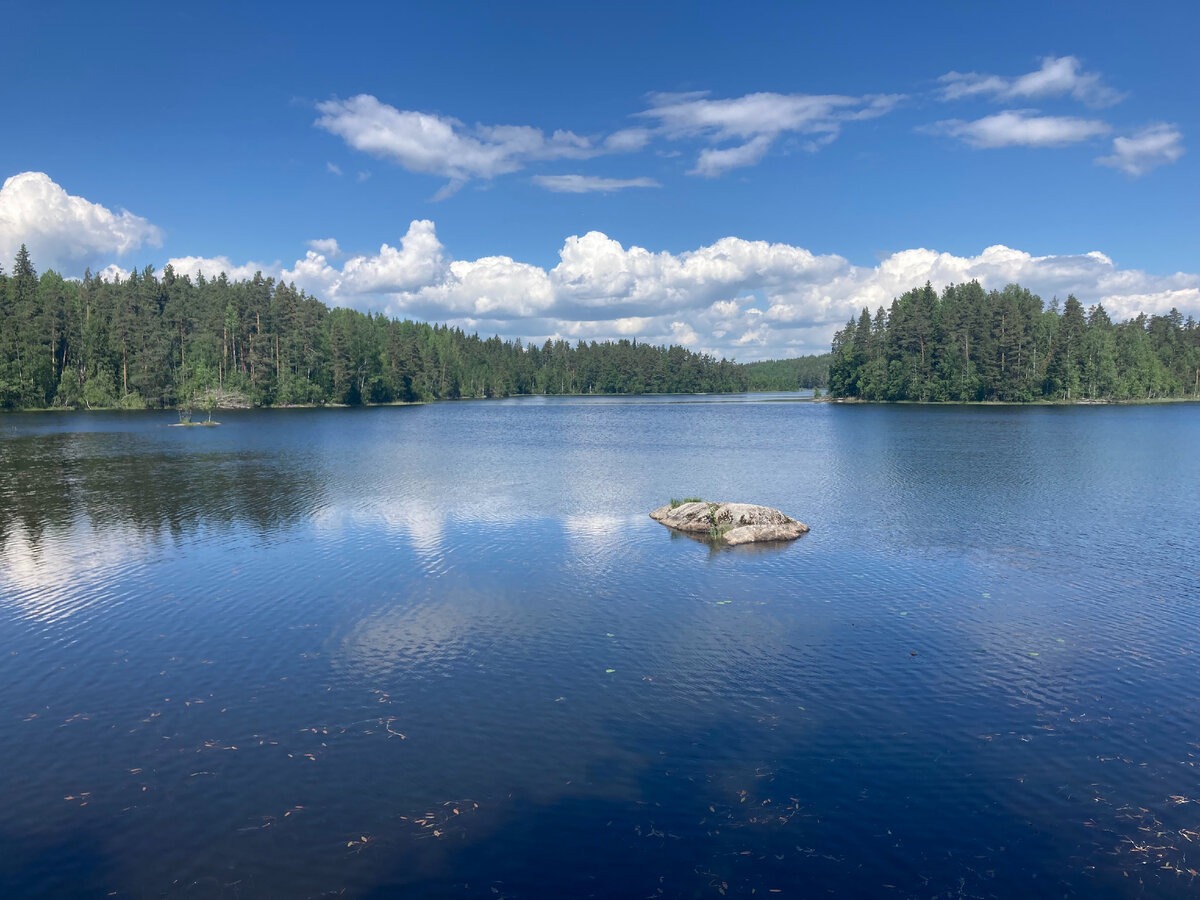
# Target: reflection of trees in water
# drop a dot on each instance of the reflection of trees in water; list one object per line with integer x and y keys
{"x": 50, "y": 481}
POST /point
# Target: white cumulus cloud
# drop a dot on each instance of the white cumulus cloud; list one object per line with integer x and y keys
{"x": 1151, "y": 147}
{"x": 212, "y": 267}
{"x": 113, "y": 272}
{"x": 419, "y": 260}
{"x": 62, "y": 231}
{"x": 733, "y": 297}
{"x": 491, "y": 286}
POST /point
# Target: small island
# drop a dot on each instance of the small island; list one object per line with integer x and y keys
{"x": 729, "y": 523}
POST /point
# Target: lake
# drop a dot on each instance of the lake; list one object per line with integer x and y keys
{"x": 442, "y": 651}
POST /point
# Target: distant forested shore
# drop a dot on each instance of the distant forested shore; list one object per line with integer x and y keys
{"x": 151, "y": 341}
{"x": 162, "y": 341}
{"x": 971, "y": 345}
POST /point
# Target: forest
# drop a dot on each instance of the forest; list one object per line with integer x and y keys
{"x": 162, "y": 341}
{"x": 796, "y": 373}
{"x": 973, "y": 345}
{"x": 150, "y": 341}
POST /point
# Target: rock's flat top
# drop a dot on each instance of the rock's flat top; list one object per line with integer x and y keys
{"x": 731, "y": 523}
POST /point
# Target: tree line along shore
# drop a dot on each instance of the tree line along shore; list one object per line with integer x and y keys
{"x": 159, "y": 341}
{"x": 162, "y": 341}
{"x": 971, "y": 345}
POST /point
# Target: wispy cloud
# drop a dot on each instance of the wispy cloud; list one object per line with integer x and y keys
{"x": 1059, "y": 76}
{"x": 752, "y": 123}
{"x": 714, "y": 161}
{"x": 1021, "y": 128}
{"x": 587, "y": 184}
{"x": 1151, "y": 147}
{"x": 737, "y": 132}
{"x": 723, "y": 134}
{"x": 627, "y": 140}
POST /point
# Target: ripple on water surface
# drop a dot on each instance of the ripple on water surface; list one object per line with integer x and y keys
{"x": 443, "y": 651}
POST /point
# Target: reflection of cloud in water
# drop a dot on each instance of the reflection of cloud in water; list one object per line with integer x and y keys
{"x": 492, "y": 684}
{"x": 427, "y": 634}
{"x": 423, "y": 527}
{"x": 428, "y": 526}
{"x": 425, "y": 531}
{"x": 598, "y": 527}
{"x": 601, "y": 543}
{"x": 438, "y": 622}
{"x": 65, "y": 570}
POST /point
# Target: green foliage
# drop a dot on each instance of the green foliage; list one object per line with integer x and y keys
{"x": 675, "y": 503}
{"x": 972, "y": 345}
{"x": 171, "y": 341}
{"x": 716, "y": 532}
{"x": 99, "y": 391}
{"x": 132, "y": 400}
{"x": 793, "y": 374}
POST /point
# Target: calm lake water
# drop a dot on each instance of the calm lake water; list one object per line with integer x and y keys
{"x": 442, "y": 651}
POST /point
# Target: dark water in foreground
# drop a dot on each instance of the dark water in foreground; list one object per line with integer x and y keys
{"x": 442, "y": 652}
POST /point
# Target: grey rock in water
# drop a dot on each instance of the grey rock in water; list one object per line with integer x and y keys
{"x": 730, "y": 523}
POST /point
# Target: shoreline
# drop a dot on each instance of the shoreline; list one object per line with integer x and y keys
{"x": 1148, "y": 401}
{"x": 825, "y": 398}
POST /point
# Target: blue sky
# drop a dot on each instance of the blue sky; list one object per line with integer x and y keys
{"x": 736, "y": 177}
